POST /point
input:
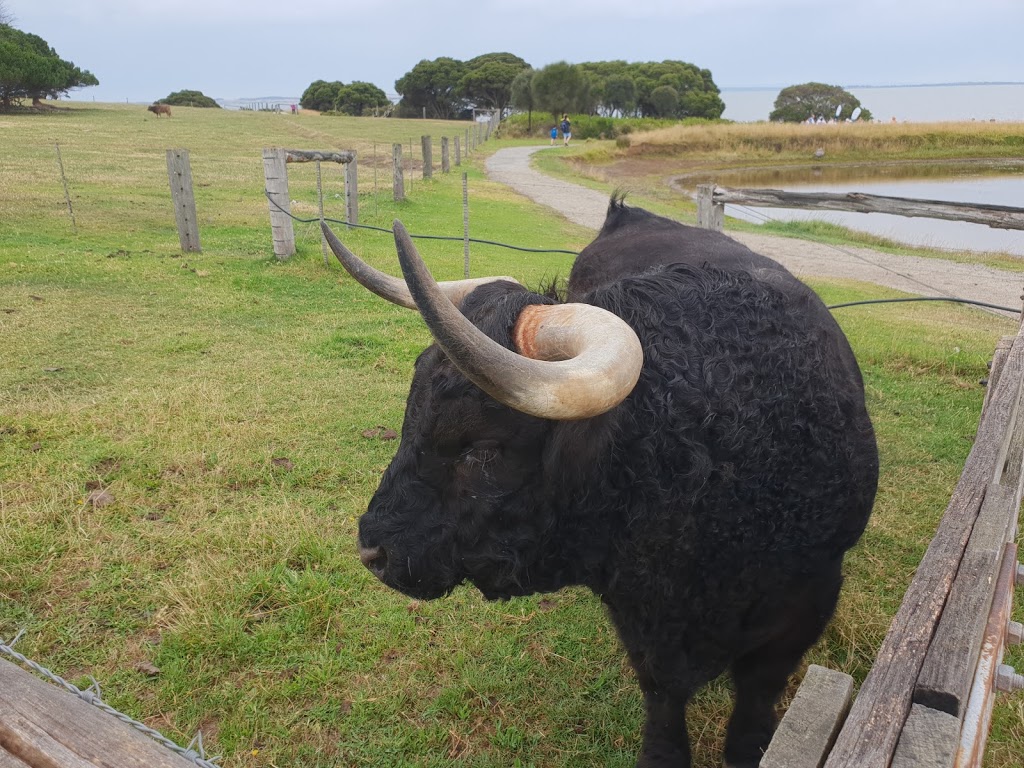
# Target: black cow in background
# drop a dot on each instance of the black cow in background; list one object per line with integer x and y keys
{"x": 687, "y": 436}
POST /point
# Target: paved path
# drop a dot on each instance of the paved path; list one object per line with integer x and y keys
{"x": 911, "y": 274}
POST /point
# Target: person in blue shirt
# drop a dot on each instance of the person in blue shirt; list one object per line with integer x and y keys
{"x": 554, "y": 134}
{"x": 566, "y": 129}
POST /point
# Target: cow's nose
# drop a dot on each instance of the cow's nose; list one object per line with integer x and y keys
{"x": 374, "y": 558}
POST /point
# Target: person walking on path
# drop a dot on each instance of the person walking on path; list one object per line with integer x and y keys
{"x": 566, "y": 129}
{"x": 554, "y": 134}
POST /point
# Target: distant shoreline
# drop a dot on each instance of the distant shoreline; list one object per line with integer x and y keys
{"x": 891, "y": 85}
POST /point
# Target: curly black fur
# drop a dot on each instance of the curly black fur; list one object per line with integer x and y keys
{"x": 710, "y": 510}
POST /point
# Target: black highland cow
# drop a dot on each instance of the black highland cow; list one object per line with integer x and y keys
{"x": 686, "y": 436}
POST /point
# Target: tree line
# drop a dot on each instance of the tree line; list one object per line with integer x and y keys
{"x": 450, "y": 89}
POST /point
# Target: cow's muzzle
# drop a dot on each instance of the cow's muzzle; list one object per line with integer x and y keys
{"x": 375, "y": 559}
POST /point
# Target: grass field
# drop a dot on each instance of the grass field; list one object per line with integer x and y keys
{"x": 186, "y": 443}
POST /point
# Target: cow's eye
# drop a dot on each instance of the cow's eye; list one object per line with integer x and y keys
{"x": 480, "y": 451}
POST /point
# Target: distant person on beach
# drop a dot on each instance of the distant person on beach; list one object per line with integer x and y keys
{"x": 566, "y": 129}
{"x": 554, "y": 134}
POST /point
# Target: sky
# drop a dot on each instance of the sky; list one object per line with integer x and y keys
{"x": 142, "y": 50}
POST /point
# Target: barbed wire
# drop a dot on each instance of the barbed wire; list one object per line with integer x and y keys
{"x": 194, "y": 752}
{"x": 851, "y": 254}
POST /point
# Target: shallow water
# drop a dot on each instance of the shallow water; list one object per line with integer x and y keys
{"x": 993, "y": 184}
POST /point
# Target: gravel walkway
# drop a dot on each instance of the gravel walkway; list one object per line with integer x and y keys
{"x": 911, "y": 274}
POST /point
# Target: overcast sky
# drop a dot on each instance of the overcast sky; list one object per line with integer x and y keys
{"x": 142, "y": 50}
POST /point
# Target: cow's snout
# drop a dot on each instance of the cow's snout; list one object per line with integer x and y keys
{"x": 375, "y": 559}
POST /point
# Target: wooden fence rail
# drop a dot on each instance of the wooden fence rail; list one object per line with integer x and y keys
{"x": 928, "y": 698}
{"x": 712, "y": 199}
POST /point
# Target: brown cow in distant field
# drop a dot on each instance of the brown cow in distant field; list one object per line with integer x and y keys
{"x": 159, "y": 109}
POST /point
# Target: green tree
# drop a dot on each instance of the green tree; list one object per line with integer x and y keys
{"x": 697, "y": 92}
{"x": 190, "y": 99}
{"x": 488, "y": 80}
{"x": 558, "y": 88}
{"x": 321, "y": 95}
{"x": 797, "y": 103}
{"x": 360, "y": 98}
{"x": 522, "y": 95}
{"x": 31, "y": 69}
{"x": 434, "y": 86}
{"x": 620, "y": 94}
{"x": 665, "y": 101}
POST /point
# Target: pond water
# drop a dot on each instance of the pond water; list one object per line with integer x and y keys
{"x": 988, "y": 183}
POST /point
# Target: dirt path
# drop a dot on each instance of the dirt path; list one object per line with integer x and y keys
{"x": 911, "y": 274}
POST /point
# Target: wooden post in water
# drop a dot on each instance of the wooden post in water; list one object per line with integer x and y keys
{"x": 399, "y": 180}
{"x": 275, "y": 170}
{"x": 428, "y": 157}
{"x": 445, "y": 165}
{"x": 710, "y": 215}
{"x": 179, "y": 173}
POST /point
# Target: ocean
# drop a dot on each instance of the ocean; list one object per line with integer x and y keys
{"x": 1003, "y": 102}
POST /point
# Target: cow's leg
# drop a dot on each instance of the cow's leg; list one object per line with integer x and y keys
{"x": 760, "y": 676}
{"x": 666, "y": 743}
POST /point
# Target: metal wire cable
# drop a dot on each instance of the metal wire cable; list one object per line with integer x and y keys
{"x": 92, "y": 695}
{"x": 950, "y": 299}
{"x": 421, "y": 237}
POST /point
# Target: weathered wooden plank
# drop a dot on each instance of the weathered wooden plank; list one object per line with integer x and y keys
{"x": 978, "y": 718}
{"x": 710, "y": 215}
{"x": 399, "y": 180}
{"x": 996, "y": 368}
{"x": 276, "y": 173}
{"x": 352, "y": 191}
{"x": 808, "y": 730}
{"x": 47, "y": 727}
{"x": 999, "y": 216}
{"x": 7, "y": 760}
{"x": 312, "y": 155}
{"x": 946, "y": 677}
{"x": 179, "y": 174}
{"x": 428, "y": 156}
{"x": 872, "y": 729}
{"x": 929, "y": 740}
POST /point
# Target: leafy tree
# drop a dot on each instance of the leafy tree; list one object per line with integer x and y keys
{"x": 31, "y": 69}
{"x": 522, "y": 95}
{"x": 189, "y": 99}
{"x": 321, "y": 95}
{"x": 620, "y": 94}
{"x": 360, "y": 98}
{"x": 665, "y": 100}
{"x": 797, "y": 103}
{"x": 488, "y": 80}
{"x": 434, "y": 85}
{"x": 558, "y": 88}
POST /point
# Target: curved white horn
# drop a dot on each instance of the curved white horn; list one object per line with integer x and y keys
{"x": 393, "y": 288}
{"x": 577, "y": 360}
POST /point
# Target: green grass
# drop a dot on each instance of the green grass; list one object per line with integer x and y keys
{"x": 220, "y": 399}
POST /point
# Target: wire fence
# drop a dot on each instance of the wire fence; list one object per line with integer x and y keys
{"x": 194, "y": 752}
{"x": 949, "y": 299}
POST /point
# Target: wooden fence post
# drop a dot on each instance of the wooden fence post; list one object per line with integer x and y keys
{"x": 469, "y": 141}
{"x": 465, "y": 225}
{"x": 352, "y": 192}
{"x": 709, "y": 214}
{"x": 428, "y": 157}
{"x": 179, "y": 173}
{"x": 445, "y": 165}
{"x": 399, "y": 183}
{"x": 275, "y": 170}
{"x": 458, "y": 153}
